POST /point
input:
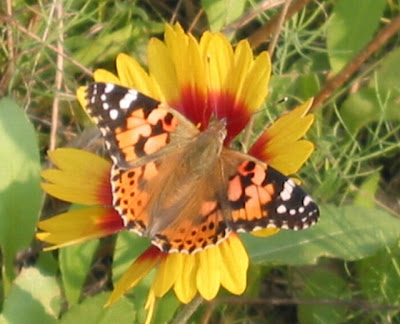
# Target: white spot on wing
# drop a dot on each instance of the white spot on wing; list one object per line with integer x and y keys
{"x": 103, "y": 97}
{"x": 106, "y": 106}
{"x": 109, "y": 87}
{"x": 281, "y": 209}
{"x": 129, "y": 97}
{"x": 286, "y": 193}
{"x": 114, "y": 159}
{"x": 114, "y": 114}
{"x": 306, "y": 201}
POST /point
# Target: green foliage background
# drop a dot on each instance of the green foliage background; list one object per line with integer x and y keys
{"x": 345, "y": 269}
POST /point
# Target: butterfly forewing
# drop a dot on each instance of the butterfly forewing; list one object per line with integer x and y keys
{"x": 136, "y": 128}
{"x": 261, "y": 197}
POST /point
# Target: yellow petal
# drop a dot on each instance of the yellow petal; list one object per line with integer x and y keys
{"x": 273, "y": 144}
{"x": 197, "y": 75}
{"x": 101, "y": 75}
{"x": 163, "y": 69}
{"x": 167, "y": 273}
{"x": 185, "y": 286}
{"x": 176, "y": 42}
{"x": 81, "y": 177}
{"x": 132, "y": 75}
{"x": 138, "y": 269}
{"x": 78, "y": 226}
{"x": 81, "y": 96}
{"x": 219, "y": 57}
{"x": 242, "y": 60}
{"x": 290, "y": 161}
{"x": 256, "y": 82}
{"x": 265, "y": 232}
{"x": 287, "y": 131}
{"x": 234, "y": 265}
{"x": 149, "y": 307}
{"x": 291, "y": 126}
{"x": 208, "y": 273}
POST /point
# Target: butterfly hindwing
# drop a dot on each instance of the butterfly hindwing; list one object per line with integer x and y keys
{"x": 207, "y": 229}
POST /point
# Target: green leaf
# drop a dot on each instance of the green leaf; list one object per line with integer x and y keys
{"x": 350, "y": 28}
{"x": 366, "y": 106}
{"x": 377, "y": 102}
{"x": 347, "y": 232}
{"x": 75, "y": 262}
{"x": 222, "y": 12}
{"x": 379, "y": 277}
{"x": 388, "y": 77}
{"x": 322, "y": 284}
{"x": 20, "y": 193}
{"x": 166, "y": 308}
{"x": 92, "y": 311}
{"x": 127, "y": 248}
{"x": 33, "y": 298}
{"x": 366, "y": 195}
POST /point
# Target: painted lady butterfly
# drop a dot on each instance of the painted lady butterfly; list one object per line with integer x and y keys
{"x": 182, "y": 187}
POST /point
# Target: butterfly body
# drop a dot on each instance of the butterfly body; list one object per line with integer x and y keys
{"x": 182, "y": 187}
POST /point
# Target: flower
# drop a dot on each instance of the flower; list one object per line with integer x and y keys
{"x": 213, "y": 80}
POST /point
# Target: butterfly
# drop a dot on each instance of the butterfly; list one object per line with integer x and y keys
{"x": 181, "y": 186}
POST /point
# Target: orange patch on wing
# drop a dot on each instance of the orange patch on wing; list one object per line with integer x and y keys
{"x": 129, "y": 153}
{"x": 207, "y": 207}
{"x": 156, "y": 115}
{"x": 235, "y": 189}
{"x": 266, "y": 193}
{"x": 129, "y": 197}
{"x": 248, "y": 201}
{"x": 154, "y": 143}
{"x": 253, "y": 207}
{"x": 131, "y": 136}
{"x": 150, "y": 171}
{"x": 133, "y": 122}
{"x": 259, "y": 175}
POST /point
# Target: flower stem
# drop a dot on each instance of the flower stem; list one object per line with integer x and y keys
{"x": 188, "y": 311}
